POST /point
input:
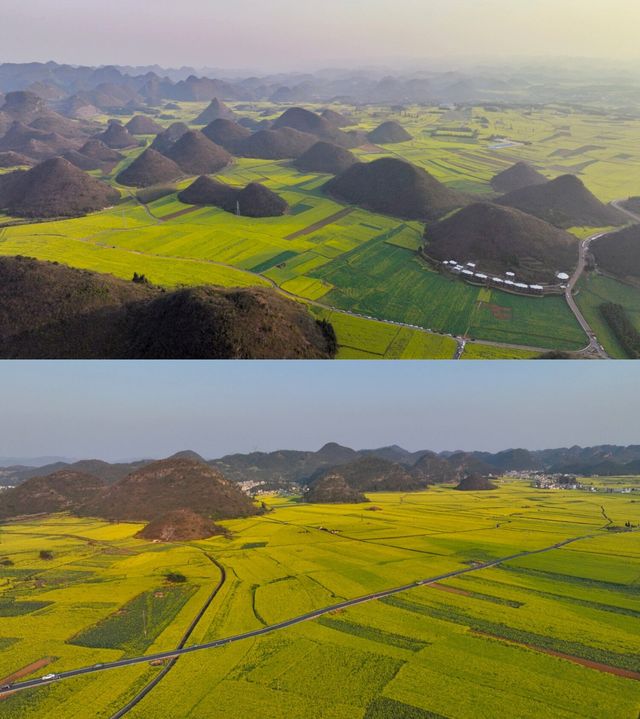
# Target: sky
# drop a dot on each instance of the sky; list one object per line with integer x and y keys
{"x": 307, "y": 34}
{"x": 126, "y": 410}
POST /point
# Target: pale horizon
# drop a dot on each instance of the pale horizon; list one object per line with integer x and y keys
{"x": 285, "y": 35}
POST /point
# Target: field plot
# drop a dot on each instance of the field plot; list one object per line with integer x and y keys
{"x": 595, "y": 290}
{"x": 548, "y": 635}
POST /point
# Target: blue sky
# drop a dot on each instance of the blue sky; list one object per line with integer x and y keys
{"x": 117, "y": 410}
{"x": 299, "y": 34}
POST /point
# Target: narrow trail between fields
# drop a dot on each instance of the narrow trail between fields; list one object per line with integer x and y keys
{"x": 174, "y": 654}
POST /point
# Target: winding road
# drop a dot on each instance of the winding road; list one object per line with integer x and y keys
{"x": 185, "y": 638}
{"x": 173, "y": 655}
{"x": 594, "y": 348}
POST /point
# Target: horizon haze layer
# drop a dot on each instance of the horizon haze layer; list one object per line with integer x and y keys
{"x": 202, "y": 33}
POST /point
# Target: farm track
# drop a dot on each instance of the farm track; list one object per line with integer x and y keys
{"x": 321, "y": 223}
{"x": 175, "y": 654}
{"x": 185, "y": 638}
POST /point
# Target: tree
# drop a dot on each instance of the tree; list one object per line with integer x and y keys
{"x": 46, "y": 554}
{"x": 175, "y": 578}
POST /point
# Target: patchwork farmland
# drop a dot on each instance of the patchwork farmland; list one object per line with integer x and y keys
{"x": 551, "y": 634}
{"x": 358, "y": 267}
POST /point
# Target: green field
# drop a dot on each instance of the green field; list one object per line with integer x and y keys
{"x": 483, "y": 644}
{"x": 358, "y": 262}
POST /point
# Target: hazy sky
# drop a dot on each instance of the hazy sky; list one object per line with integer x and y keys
{"x": 301, "y": 34}
{"x": 116, "y": 410}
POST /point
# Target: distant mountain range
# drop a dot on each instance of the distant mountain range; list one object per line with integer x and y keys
{"x": 111, "y": 87}
{"x": 284, "y": 468}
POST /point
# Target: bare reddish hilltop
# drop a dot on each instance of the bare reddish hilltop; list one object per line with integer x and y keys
{"x": 180, "y": 525}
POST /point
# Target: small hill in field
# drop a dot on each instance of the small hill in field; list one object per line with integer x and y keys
{"x": 333, "y": 489}
{"x": 117, "y": 137}
{"x": 520, "y": 175}
{"x": 226, "y": 133}
{"x": 394, "y": 187}
{"x": 254, "y": 200}
{"x": 389, "y": 133}
{"x": 564, "y": 202}
{"x": 336, "y": 119}
{"x": 59, "y": 492}
{"x": 281, "y": 144}
{"x": 501, "y": 239}
{"x": 54, "y": 188}
{"x": 216, "y": 110}
{"x": 97, "y": 150}
{"x": 14, "y": 159}
{"x": 197, "y": 155}
{"x": 325, "y": 157}
{"x": 433, "y": 469}
{"x": 165, "y": 140}
{"x": 303, "y": 120}
{"x": 143, "y": 125}
{"x": 476, "y": 483}
{"x": 156, "y": 489}
{"x": 82, "y": 162}
{"x": 150, "y": 168}
{"x": 467, "y": 463}
{"x": 347, "y": 482}
{"x": 206, "y": 191}
{"x": 374, "y": 474}
{"x": 49, "y": 311}
{"x": 180, "y": 525}
{"x": 618, "y": 254}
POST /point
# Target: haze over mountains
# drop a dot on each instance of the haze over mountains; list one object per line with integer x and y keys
{"x": 109, "y": 87}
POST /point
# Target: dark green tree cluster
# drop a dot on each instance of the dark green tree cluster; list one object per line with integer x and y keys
{"x": 623, "y": 328}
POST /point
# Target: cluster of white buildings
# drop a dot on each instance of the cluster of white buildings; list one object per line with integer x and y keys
{"x": 469, "y": 272}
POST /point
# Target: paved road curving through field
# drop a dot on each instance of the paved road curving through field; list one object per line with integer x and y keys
{"x": 185, "y": 638}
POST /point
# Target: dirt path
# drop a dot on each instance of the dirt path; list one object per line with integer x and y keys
{"x": 25, "y": 671}
{"x": 451, "y": 590}
{"x": 322, "y": 223}
{"x": 180, "y": 213}
{"x": 616, "y": 671}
